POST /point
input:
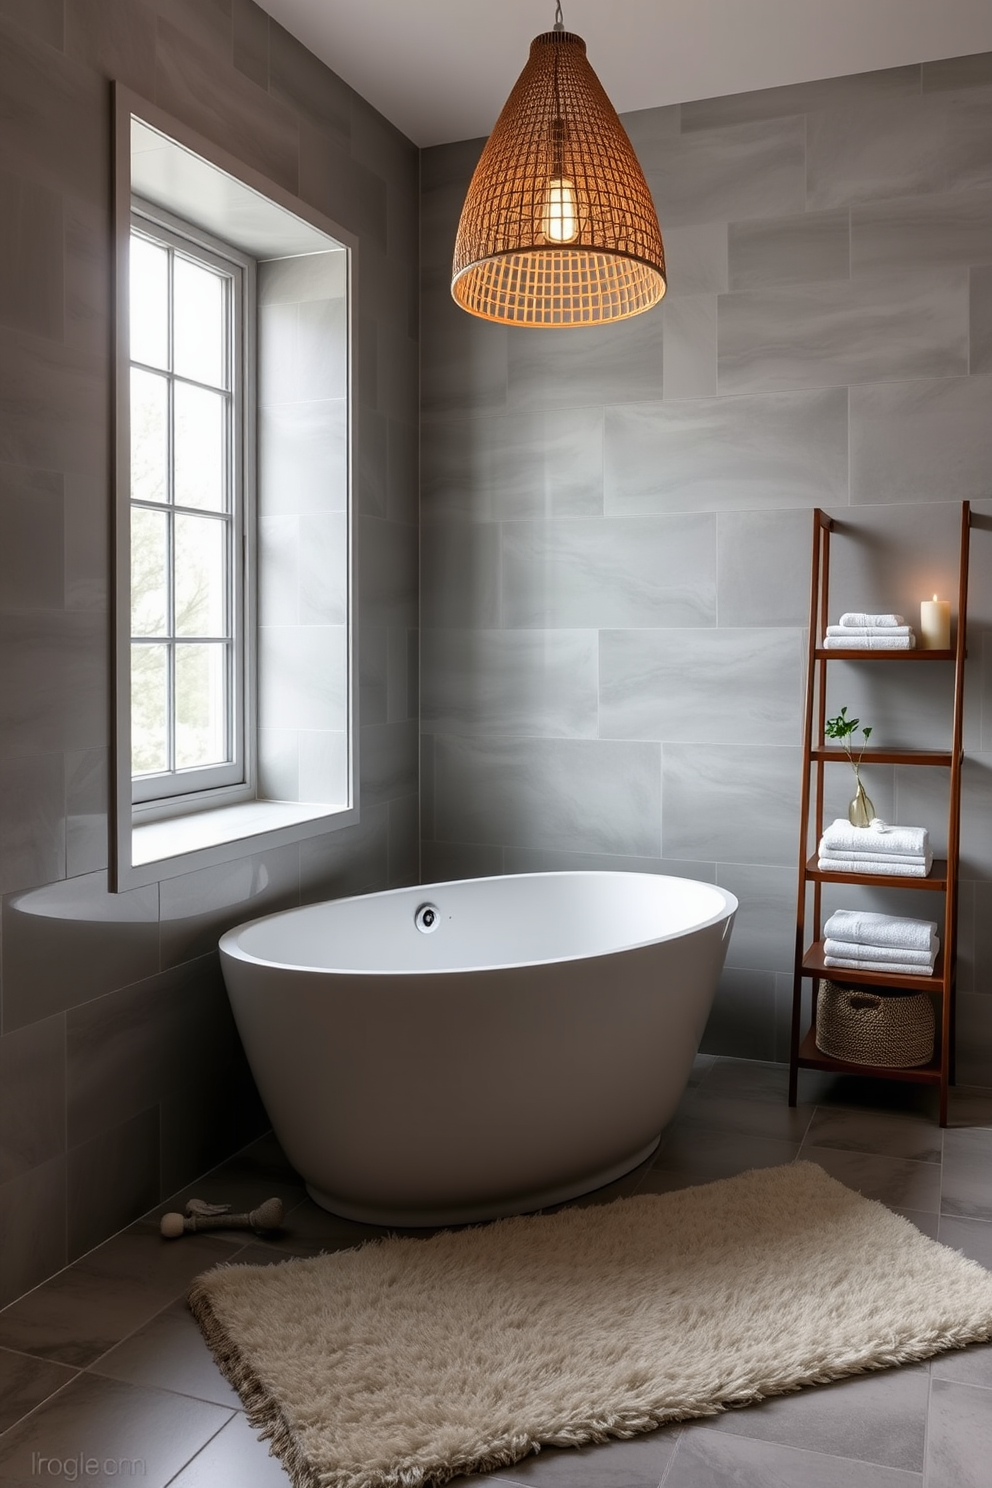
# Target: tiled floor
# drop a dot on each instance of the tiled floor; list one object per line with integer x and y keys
{"x": 104, "y": 1376}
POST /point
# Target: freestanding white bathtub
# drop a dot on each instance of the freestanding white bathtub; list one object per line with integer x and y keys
{"x": 459, "y": 1051}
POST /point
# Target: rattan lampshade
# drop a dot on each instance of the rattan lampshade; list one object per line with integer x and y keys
{"x": 558, "y": 227}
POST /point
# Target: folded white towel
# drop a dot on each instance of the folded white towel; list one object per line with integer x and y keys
{"x": 841, "y": 836}
{"x": 875, "y": 642}
{"x": 926, "y": 858}
{"x": 868, "y": 927}
{"x": 850, "y": 950}
{"x": 869, "y": 630}
{"x": 858, "y": 620}
{"x": 888, "y": 869}
{"x": 891, "y": 966}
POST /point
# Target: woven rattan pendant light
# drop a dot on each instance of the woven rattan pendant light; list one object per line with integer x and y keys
{"x": 558, "y": 227}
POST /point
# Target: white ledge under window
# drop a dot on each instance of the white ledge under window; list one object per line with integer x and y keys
{"x": 178, "y": 844}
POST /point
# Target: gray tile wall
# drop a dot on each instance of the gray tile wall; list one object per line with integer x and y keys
{"x": 616, "y": 523}
{"x": 121, "y": 1075}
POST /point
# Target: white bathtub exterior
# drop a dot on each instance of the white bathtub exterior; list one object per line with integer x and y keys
{"x": 529, "y": 1049}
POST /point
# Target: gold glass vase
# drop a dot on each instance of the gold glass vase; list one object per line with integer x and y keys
{"x": 861, "y": 811}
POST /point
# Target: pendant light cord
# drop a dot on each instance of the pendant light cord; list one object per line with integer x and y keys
{"x": 559, "y": 22}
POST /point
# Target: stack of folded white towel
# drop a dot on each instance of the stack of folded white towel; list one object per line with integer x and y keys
{"x": 860, "y": 632}
{"x": 863, "y": 941}
{"x": 903, "y": 852}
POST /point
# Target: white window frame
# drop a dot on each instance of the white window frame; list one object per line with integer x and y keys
{"x": 191, "y": 832}
{"x": 179, "y": 791}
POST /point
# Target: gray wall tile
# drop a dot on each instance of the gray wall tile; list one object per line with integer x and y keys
{"x": 575, "y": 794}
{"x": 700, "y": 686}
{"x": 541, "y": 464}
{"x": 197, "y": 908}
{"x": 902, "y": 148}
{"x": 776, "y": 450}
{"x": 802, "y": 98}
{"x": 31, "y": 258}
{"x": 32, "y": 567}
{"x": 32, "y": 821}
{"x": 763, "y": 567}
{"x": 32, "y": 1252}
{"x": 53, "y": 682}
{"x": 925, "y": 440}
{"x": 723, "y": 174}
{"x": 731, "y": 803}
{"x": 764, "y": 933}
{"x": 958, "y": 72}
{"x": 789, "y": 250}
{"x": 32, "y": 1097}
{"x": 249, "y": 123}
{"x": 460, "y": 574}
{"x": 69, "y": 942}
{"x": 922, "y": 231}
{"x": 690, "y": 346}
{"x": 112, "y": 1180}
{"x": 743, "y": 1015}
{"x": 534, "y": 682}
{"x": 87, "y": 787}
{"x": 583, "y": 571}
{"x": 896, "y": 325}
{"x": 696, "y": 258}
{"x": 981, "y": 319}
{"x": 619, "y": 364}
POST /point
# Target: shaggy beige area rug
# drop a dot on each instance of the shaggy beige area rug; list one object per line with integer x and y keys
{"x": 409, "y": 1361}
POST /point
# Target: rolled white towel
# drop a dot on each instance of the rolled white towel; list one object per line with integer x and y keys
{"x": 868, "y": 927}
{"x": 858, "y": 620}
{"x": 926, "y": 858}
{"x": 869, "y": 630}
{"x": 886, "y": 869}
{"x": 841, "y": 836}
{"x": 891, "y": 966}
{"x": 850, "y": 950}
{"x": 877, "y": 641}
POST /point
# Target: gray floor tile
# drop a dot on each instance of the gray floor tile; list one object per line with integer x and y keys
{"x": 708, "y": 1110}
{"x": 638, "y": 1463}
{"x": 86, "y": 1309}
{"x": 972, "y": 1237}
{"x": 234, "y": 1458}
{"x": 959, "y": 1440}
{"x": 25, "y": 1382}
{"x": 965, "y": 1187}
{"x": 882, "y": 1132}
{"x": 721, "y": 1154}
{"x": 967, "y": 1366}
{"x": 873, "y": 1418}
{"x": 169, "y": 1353}
{"x": 969, "y": 1108}
{"x": 928, "y": 1224}
{"x": 891, "y": 1180}
{"x": 131, "y": 1434}
{"x": 707, "y": 1459}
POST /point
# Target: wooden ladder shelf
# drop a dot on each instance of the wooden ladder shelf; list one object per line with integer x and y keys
{"x": 943, "y": 877}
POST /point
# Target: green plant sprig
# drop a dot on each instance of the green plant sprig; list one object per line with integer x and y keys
{"x": 844, "y": 728}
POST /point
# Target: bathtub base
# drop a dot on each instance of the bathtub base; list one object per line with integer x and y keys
{"x": 453, "y": 1214}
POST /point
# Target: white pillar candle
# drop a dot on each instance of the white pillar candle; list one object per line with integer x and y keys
{"x": 935, "y": 624}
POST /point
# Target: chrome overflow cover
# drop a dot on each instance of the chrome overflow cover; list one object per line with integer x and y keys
{"x": 427, "y": 918}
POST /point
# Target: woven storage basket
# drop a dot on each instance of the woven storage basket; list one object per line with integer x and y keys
{"x": 862, "y": 1026}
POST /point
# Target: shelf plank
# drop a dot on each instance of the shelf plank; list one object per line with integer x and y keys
{"x": 810, "y": 1057}
{"x": 831, "y": 653}
{"x": 935, "y": 881}
{"x": 814, "y": 964}
{"x": 887, "y": 756}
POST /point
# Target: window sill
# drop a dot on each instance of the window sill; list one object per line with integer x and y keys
{"x": 182, "y": 844}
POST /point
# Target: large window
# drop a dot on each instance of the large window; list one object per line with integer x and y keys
{"x": 235, "y": 716}
{"x": 189, "y": 660}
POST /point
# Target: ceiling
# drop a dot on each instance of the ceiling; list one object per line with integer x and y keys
{"x": 441, "y": 69}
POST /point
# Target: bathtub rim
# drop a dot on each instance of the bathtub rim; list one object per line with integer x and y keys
{"x": 229, "y": 942}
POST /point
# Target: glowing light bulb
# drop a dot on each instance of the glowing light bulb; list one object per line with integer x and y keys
{"x": 560, "y": 222}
